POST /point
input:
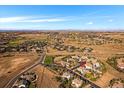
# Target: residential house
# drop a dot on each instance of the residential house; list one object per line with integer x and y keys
{"x": 76, "y": 83}
{"x": 67, "y": 75}
{"x": 88, "y": 66}
{"x": 120, "y": 63}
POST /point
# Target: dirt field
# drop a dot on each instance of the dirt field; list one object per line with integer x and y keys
{"x": 11, "y": 66}
{"x": 46, "y": 78}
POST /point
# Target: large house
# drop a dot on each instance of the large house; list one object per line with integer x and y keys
{"x": 76, "y": 83}
{"x": 67, "y": 75}
{"x": 120, "y": 63}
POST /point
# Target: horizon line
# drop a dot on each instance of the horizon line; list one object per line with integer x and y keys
{"x": 69, "y": 30}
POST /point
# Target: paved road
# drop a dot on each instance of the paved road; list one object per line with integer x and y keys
{"x": 11, "y": 82}
{"x": 75, "y": 67}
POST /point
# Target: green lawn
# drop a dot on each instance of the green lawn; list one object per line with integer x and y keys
{"x": 16, "y": 42}
{"x": 32, "y": 85}
{"x": 48, "y": 60}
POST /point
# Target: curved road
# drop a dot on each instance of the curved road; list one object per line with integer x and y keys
{"x": 11, "y": 82}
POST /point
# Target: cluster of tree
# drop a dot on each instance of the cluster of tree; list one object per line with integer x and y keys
{"x": 24, "y": 47}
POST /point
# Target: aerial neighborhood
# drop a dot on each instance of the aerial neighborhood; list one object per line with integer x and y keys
{"x": 66, "y": 59}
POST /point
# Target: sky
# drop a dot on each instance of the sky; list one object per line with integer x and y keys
{"x": 62, "y": 17}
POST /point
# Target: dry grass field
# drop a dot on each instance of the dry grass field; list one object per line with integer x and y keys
{"x": 46, "y": 78}
{"x": 11, "y": 66}
{"x": 34, "y": 36}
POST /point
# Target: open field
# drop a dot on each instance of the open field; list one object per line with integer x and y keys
{"x": 10, "y": 66}
{"x": 46, "y": 78}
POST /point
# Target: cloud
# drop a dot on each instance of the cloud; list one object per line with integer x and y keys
{"x": 11, "y": 19}
{"x": 29, "y": 19}
{"x": 110, "y": 20}
{"x": 43, "y": 20}
{"x": 90, "y": 23}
